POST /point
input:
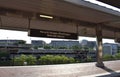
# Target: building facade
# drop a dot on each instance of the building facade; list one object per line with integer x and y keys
{"x": 89, "y": 44}
{"x": 38, "y": 43}
{"x": 67, "y": 44}
{"x": 13, "y": 45}
{"x": 110, "y": 48}
{"x": 11, "y": 41}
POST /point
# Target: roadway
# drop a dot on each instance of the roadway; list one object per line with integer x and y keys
{"x": 112, "y": 69}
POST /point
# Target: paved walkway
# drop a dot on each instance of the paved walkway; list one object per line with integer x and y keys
{"x": 63, "y": 70}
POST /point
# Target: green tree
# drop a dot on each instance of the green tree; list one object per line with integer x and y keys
{"x": 71, "y": 60}
{"x": 46, "y": 59}
{"x": 117, "y": 56}
{"x": 75, "y": 47}
{"x": 20, "y": 60}
{"x": 50, "y": 59}
{"x": 62, "y": 47}
{"x": 4, "y": 58}
{"x": 4, "y": 54}
{"x": 47, "y": 47}
{"x": 85, "y": 48}
{"x": 89, "y": 59}
{"x": 31, "y": 60}
{"x": 57, "y": 59}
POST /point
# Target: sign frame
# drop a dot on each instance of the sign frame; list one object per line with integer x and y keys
{"x": 52, "y": 34}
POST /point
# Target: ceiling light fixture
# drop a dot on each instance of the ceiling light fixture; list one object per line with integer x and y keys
{"x": 46, "y": 16}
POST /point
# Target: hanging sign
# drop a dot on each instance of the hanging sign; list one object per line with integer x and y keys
{"x": 52, "y": 34}
{"x": 117, "y": 40}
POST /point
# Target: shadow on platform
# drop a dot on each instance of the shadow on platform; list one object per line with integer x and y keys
{"x": 112, "y": 73}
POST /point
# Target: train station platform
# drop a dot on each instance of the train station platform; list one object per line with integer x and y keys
{"x": 111, "y": 69}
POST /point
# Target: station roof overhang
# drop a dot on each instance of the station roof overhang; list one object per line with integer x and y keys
{"x": 74, "y": 16}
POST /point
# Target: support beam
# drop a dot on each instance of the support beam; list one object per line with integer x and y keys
{"x": 99, "y": 46}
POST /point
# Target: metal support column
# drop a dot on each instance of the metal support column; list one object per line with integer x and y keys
{"x": 99, "y": 46}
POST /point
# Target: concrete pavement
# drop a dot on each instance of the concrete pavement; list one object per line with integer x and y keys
{"x": 112, "y": 68}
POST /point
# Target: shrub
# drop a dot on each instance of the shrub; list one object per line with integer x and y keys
{"x": 71, "y": 60}
{"x": 4, "y": 54}
{"x": 50, "y": 59}
{"x": 47, "y": 47}
{"x": 117, "y": 56}
{"x": 89, "y": 59}
{"x": 62, "y": 47}
{"x": 57, "y": 59}
{"x": 31, "y": 60}
{"x": 108, "y": 57}
{"x": 20, "y": 60}
{"x": 6, "y": 63}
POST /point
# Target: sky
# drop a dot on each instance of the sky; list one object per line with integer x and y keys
{"x": 20, "y": 35}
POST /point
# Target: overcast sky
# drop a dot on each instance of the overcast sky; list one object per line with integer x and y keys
{"x": 20, "y": 35}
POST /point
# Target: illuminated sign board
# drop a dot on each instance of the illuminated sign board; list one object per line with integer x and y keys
{"x": 52, "y": 34}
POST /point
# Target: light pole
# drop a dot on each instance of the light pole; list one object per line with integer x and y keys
{"x": 7, "y": 45}
{"x": 31, "y": 46}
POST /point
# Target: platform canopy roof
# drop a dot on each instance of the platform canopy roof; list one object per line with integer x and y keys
{"x": 74, "y": 16}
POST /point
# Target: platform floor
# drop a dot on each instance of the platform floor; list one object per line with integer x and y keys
{"x": 112, "y": 69}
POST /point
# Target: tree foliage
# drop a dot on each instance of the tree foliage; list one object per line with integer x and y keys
{"x": 50, "y": 59}
{"x": 75, "y": 47}
{"x": 117, "y": 56}
{"x": 62, "y": 47}
{"x": 89, "y": 59}
{"x": 31, "y": 60}
{"x": 47, "y": 47}
{"x": 4, "y": 54}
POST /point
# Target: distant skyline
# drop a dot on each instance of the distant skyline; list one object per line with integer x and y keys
{"x": 21, "y": 35}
